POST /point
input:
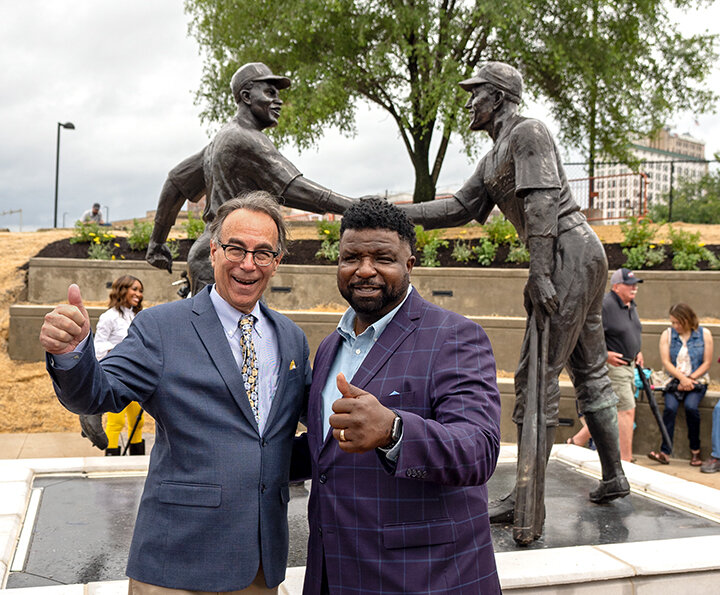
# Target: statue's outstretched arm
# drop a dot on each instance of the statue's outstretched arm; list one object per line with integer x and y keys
{"x": 307, "y": 195}
{"x": 169, "y": 205}
{"x": 446, "y": 212}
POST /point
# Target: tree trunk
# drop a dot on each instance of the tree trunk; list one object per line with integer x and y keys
{"x": 424, "y": 183}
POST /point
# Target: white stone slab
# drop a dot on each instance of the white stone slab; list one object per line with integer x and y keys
{"x": 13, "y": 497}
{"x": 52, "y": 590}
{"x": 558, "y": 566}
{"x": 14, "y": 471}
{"x": 293, "y": 583}
{"x": 9, "y": 530}
{"x": 666, "y": 556}
{"x": 107, "y": 588}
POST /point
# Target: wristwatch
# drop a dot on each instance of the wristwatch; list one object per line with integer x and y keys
{"x": 396, "y": 431}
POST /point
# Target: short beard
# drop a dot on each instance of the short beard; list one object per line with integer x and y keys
{"x": 375, "y": 306}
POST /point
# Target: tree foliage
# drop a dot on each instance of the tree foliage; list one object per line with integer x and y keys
{"x": 693, "y": 201}
{"x": 600, "y": 64}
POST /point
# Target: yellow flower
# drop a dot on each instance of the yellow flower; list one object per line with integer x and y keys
{"x": 652, "y": 245}
{"x": 121, "y": 256}
{"x": 91, "y": 234}
{"x": 116, "y": 244}
{"x": 97, "y": 240}
{"x": 326, "y": 231}
{"x": 701, "y": 244}
{"x": 112, "y": 257}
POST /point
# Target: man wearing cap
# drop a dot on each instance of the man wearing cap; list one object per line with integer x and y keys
{"x": 623, "y": 338}
{"x": 93, "y": 215}
{"x": 523, "y": 176}
{"x": 241, "y": 158}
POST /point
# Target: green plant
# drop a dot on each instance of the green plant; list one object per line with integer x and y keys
{"x": 428, "y": 243}
{"x": 194, "y": 227}
{"x": 100, "y": 251}
{"x": 462, "y": 252}
{"x": 485, "y": 252}
{"x": 174, "y": 247}
{"x": 329, "y": 233}
{"x": 500, "y": 231}
{"x": 518, "y": 253}
{"x": 139, "y": 236}
{"x": 637, "y": 232}
{"x": 688, "y": 251}
{"x": 85, "y": 232}
{"x": 686, "y": 261}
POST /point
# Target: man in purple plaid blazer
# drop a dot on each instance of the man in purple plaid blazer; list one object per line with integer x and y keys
{"x": 402, "y": 452}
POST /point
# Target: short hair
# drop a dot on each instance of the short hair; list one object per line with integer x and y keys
{"x": 377, "y": 213}
{"x": 258, "y": 201}
{"x": 685, "y": 315}
{"x": 119, "y": 290}
{"x": 96, "y": 205}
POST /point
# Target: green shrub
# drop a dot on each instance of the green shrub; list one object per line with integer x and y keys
{"x": 174, "y": 247}
{"x": 686, "y": 261}
{"x": 427, "y": 244}
{"x": 100, "y": 251}
{"x": 518, "y": 253}
{"x": 637, "y": 232}
{"x": 85, "y": 232}
{"x": 329, "y": 233}
{"x": 194, "y": 227}
{"x": 139, "y": 236}
{"x": 688, "y": 251}
{"x": 462, "y": 252}
{"x": 485, "y": 252}
{"x": 500, "y": 231}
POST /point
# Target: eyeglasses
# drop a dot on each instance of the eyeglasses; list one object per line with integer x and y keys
{"x": 262, "y": 258}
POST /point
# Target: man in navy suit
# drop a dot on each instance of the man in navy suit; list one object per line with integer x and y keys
{"x": 400, "y": 453}
{"x": 225, "y": 379}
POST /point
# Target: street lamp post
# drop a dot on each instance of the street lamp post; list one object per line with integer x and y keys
{"x": 69, "y": 126}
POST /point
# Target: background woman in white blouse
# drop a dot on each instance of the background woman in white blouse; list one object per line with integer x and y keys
{"x": 126, "y": 297}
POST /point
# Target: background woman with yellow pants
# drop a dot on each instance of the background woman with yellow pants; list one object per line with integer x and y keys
{"x": 126, "y": 296}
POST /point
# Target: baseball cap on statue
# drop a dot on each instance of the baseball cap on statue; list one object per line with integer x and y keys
{"x": 257, "y": 71}
{"x": 503, "y": 76}
{"x": 624, "y": 276}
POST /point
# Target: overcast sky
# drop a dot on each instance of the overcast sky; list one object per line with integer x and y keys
{"x": 125, "y": 73}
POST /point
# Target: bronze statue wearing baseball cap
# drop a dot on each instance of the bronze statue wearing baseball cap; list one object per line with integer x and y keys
{"x": 523, "y": 175}
{"x": 240, "y": 159}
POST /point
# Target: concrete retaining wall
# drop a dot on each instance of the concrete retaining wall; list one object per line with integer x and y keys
{"x": 504, "y": 333}
{"x": 472, "y": 292}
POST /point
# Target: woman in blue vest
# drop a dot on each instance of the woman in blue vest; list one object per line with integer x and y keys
{"x": 686, "y": 353}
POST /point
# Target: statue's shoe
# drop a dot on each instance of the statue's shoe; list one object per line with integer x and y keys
{"x": 607, "y": 490}
{"x": 502, "y": 510}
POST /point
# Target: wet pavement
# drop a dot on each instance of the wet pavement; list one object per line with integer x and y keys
{"x": 84, "y": 525}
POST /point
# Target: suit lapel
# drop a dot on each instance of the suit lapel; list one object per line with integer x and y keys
{"x": 211, "y": 333}
{"x": 321, "y": 369}
{"x": 392, "y": 337}
{"x": 280, "y": 331}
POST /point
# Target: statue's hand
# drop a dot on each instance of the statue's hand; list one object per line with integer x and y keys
{"x": 540, "y": 296}
{"x": 159, "y": 256}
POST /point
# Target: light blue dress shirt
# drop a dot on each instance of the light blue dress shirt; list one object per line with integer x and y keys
{"x": 351, "y": 354}
{"x": 267, "y": 353}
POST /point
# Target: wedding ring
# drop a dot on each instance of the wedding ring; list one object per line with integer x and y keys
{"x": 342, "y": 435}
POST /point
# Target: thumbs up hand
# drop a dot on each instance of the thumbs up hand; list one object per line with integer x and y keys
{"x": 66, "y": 326}
{"x": 360, "y": 422}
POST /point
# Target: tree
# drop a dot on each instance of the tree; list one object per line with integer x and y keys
{"x": 408, "y": 55}
{"x": 694, "y": 201}
{"x": 616, "y": 71}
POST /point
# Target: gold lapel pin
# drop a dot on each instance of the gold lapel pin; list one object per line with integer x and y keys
{"x": 292, "y": 365}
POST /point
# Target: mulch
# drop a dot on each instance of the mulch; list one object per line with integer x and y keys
{"x": 303, "y": 252}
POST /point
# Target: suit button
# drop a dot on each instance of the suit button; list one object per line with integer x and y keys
{"x": 320, "y": 531}
{"x": 262, "y": 489}
{"x": 408, "y": 472}
{"x": 263, "y": 443}
{"x": 323, "y": 478}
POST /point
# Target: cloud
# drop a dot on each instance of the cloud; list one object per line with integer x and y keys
{"x": 125, "y": 73}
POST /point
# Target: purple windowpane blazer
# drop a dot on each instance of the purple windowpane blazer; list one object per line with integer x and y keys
{"x": 423, "y": 526}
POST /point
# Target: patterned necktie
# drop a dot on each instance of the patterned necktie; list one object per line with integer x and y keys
{"x": 249, "y": 367}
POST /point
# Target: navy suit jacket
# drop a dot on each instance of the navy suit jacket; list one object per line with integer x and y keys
{"x": 423, "y": 526}
{"x": 215, "y": 499}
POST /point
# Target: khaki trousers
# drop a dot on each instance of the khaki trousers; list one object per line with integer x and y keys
{"x": 256, "y": 588}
